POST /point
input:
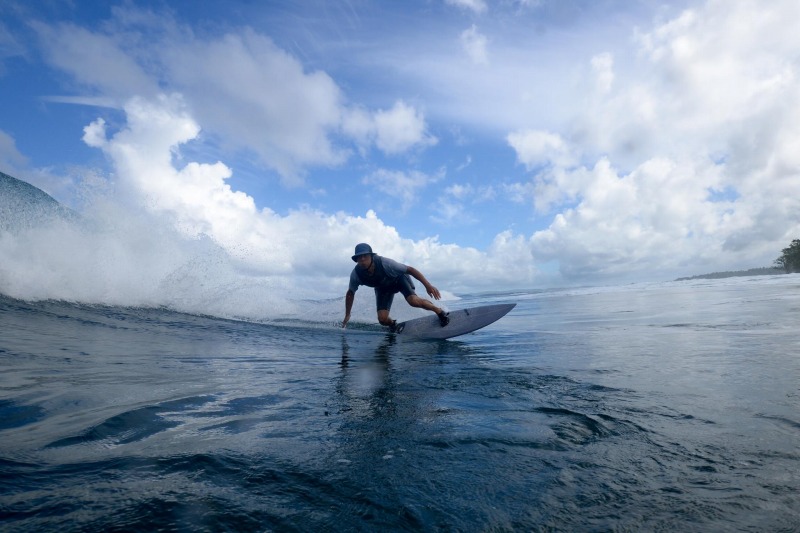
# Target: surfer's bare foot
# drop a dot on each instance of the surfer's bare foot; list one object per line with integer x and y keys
{"x": 444, "y": 318}
{"x": 393, "y": 326}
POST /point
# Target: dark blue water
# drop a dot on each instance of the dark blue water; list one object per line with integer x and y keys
{"x": 649, "y": 407}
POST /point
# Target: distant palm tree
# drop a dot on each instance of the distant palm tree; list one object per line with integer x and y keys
{"x": 790, "y": 258}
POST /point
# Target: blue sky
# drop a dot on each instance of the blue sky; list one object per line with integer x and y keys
{"x": 490, "y": 143}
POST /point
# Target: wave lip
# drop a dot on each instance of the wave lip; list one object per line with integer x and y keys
{"x": 23, "y": 206}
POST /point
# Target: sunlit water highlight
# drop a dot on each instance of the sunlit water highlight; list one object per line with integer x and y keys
{"x": 665, "y": 406}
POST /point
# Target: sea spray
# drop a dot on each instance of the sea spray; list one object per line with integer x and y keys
{"x": 115, "y": 254}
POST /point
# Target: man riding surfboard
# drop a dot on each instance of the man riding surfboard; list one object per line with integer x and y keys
{"x": 388, "y": 277}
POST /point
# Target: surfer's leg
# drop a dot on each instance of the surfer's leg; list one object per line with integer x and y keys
{"x": 383, "y": 317}
{"x": 407, "y": 288}
{"x": 415, "y": 301}
{"x": 383, "y": 302}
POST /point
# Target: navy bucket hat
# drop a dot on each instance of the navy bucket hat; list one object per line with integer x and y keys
{"x": 362, "y": 249}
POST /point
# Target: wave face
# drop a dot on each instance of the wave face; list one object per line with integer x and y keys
{"x": 23, "y": 206}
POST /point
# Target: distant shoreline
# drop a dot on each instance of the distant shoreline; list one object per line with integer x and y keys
{"x": 763, "y": 271}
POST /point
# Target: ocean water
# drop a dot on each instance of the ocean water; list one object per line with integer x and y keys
{"x": 664, "y": 406}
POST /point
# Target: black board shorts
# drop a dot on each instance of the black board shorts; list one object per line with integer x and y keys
{"x": 385, "y": 295}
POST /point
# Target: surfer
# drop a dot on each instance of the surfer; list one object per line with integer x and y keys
{"x": 388, "y": 277}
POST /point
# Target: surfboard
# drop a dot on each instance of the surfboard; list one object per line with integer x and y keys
{"x": 461, "y": 321}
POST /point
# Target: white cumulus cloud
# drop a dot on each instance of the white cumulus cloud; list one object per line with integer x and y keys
{"x": 400, "y": 128}
{"x": 475, "y": 44}
{"x": 712, "y": 104}
{"x": 303, "y": 244}
{"x": 249, "y": 94}
{"x": 404, "y": 186}
{"x": 476, "y": 6}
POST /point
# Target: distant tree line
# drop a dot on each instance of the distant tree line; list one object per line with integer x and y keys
{"x": 788, "y": 262}
{"x": 790, "y": 258}
{"x": 763, "y": 271}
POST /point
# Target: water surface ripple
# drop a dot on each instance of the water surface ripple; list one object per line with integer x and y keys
{"x": 665, "y": 406}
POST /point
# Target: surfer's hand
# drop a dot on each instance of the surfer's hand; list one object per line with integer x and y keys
{"x": 434, "y": 292}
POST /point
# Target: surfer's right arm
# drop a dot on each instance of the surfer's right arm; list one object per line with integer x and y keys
{"x": 348, "y": 306}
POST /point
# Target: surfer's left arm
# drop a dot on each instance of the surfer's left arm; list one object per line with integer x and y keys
{"x": 432, "y": 291}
